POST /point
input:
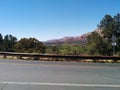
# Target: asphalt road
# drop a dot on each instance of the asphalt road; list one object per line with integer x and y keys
{"x": 39, "y": 75}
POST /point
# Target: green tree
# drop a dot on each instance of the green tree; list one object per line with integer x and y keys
{"x": 1, "y": 42}
{"x": 107, "y": 26}
{"x": 30, "y": 45}
{"x": 111, "y": 26}
{"x": 117, "y": 32}
{"x": 98, "y": 45}
{"x": 8, "y": 43}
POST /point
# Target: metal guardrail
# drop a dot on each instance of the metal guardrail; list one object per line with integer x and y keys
{"x": 36, "y": 56}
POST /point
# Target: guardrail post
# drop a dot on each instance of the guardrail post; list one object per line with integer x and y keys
{"x": 115, "y": 60}
{"x": 19, "y": 57}
{"x": 94, "y": 60}
{"x": 36, "y": 57}
{"x": 4, "y": 56}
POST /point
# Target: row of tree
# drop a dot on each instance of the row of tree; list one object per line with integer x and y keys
{"x": 9, "y": 43}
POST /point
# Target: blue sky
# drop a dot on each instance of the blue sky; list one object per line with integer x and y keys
{"x": 53, "y": 19}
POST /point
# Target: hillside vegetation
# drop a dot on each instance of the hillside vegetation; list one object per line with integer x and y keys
{"x": 9, "y": 43}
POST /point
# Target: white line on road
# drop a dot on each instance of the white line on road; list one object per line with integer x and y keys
{"x": 59, "y": 84}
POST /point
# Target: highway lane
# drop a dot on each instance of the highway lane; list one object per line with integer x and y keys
{"x": 41, "y": 75}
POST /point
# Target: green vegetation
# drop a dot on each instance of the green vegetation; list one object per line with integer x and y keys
{"x": 102, "y": 44}
{"x": 97, "y": 43}
{"x": 30, "y": 45}
{"x": 7, "y": 44}
{"x": 10, "y": 44}
{"x": 66, "y": 49}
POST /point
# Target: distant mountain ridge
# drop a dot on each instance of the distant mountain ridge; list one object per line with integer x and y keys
{"x": 67, "y": 39}
{"x": 78, "y": 40}
{"x": 70, "y": 40}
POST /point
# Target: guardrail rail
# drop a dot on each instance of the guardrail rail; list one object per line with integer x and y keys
{"x": 56, "y": 57}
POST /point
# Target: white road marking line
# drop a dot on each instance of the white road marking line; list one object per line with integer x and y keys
{"x": 60, "y": 84}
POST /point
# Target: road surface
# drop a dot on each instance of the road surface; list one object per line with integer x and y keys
{"x": 41, "y": 75}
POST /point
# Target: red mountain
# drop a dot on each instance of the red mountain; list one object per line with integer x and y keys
{"x": 78, "y": 40}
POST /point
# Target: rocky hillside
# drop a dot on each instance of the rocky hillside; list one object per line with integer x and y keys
{"x": 78, "y": 40}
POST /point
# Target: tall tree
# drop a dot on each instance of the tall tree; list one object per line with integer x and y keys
{"x": 8, "y": 42}
{"x": 117, "y": 31}
{"x": 107, "y": 25}
{"x": 98, "y": 45}
{"x": 1, "y": 42}
{"x": 111, "y": 27}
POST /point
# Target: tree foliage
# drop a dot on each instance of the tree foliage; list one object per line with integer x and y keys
{"x": 103, "y": 45}
{"x": 30, "y": 45}
{"x": 7, "y": 43}
{"x": 107, "y": 25}
{"x": 1, "y": 42}
{"x": 98, "y": 45}
{"x": 65, "y": 49}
